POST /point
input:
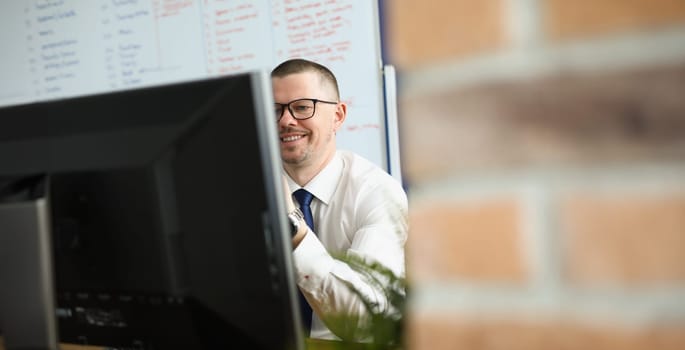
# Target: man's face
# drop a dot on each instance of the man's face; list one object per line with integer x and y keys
{"x": 308, "y": 142}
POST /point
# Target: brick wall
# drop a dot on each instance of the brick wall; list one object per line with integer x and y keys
{"x": 543, "y": 147}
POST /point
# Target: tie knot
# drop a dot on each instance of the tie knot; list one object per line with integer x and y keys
{"x": 303, "y": 197}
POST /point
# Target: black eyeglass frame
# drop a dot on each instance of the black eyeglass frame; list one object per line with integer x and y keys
{"x": 287, "y": 105}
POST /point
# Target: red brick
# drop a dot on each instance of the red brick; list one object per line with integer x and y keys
{"x": 480, "y": 241}
{"x": 420, "y": 32}
{"x": 587, "y": 18}
{"x": 580, "y": 119}
{"x": 438, "y": 332}
{"x": 624, "y": 239}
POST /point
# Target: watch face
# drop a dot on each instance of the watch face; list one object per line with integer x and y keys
{"x": 294, "y": 224}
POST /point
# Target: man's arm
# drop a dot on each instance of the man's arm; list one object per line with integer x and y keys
{"x": 380, "y": 232}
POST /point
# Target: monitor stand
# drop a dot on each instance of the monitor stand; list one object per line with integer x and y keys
{"x": 27, "y": 289}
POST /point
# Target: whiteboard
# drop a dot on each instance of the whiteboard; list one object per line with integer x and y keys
{"x": 53, "y": 49}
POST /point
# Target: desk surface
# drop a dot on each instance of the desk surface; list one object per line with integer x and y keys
{"x": 63, "y": 346}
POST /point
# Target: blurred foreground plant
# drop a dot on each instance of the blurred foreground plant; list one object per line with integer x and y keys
{"x": 383, "y": 326}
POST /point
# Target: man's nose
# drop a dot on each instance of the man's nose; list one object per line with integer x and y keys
{"x": 287, "y": 117}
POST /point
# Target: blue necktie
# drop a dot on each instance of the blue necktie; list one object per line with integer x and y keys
{"x": 304, "y": 198}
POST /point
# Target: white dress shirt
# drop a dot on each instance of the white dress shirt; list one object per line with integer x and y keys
{"x": 358, "y": 208}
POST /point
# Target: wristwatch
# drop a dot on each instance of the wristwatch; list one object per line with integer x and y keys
{"x": 295, "y": 218}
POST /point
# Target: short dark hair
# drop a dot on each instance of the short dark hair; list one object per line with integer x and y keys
{"x": 299, "y": 65}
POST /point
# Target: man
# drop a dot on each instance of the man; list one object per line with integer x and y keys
{"x": 357, "y": 208}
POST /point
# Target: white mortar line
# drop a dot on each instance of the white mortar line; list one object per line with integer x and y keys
{"x": 523, "y": 21}
{"x": 633, "y": 307}
{"x": 608, "y": 53}
{"x": 645, "y": 176}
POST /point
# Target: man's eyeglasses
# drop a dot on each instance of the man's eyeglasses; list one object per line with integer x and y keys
{"x": 300, "y": 109}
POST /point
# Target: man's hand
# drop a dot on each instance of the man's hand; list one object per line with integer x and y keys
{"x": 290, "y": 206}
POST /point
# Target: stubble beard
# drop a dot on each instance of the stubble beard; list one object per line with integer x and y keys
{"x": 299, "y": 157}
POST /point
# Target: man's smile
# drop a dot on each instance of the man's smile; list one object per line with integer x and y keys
{"x": 291, "y": 138}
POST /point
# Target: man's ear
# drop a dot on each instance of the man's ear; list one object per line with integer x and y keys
{"x": 340, "y": 115}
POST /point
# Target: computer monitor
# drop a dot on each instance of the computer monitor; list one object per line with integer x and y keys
{"x": 164, "y": 214}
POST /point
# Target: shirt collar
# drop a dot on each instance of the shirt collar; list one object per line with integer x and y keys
{"x": 323, "y": 185}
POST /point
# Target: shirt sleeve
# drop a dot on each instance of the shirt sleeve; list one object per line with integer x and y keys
{"x": 329, "y": 284}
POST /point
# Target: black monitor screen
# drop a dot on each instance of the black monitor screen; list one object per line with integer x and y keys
{"x": 165, "y": 214}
